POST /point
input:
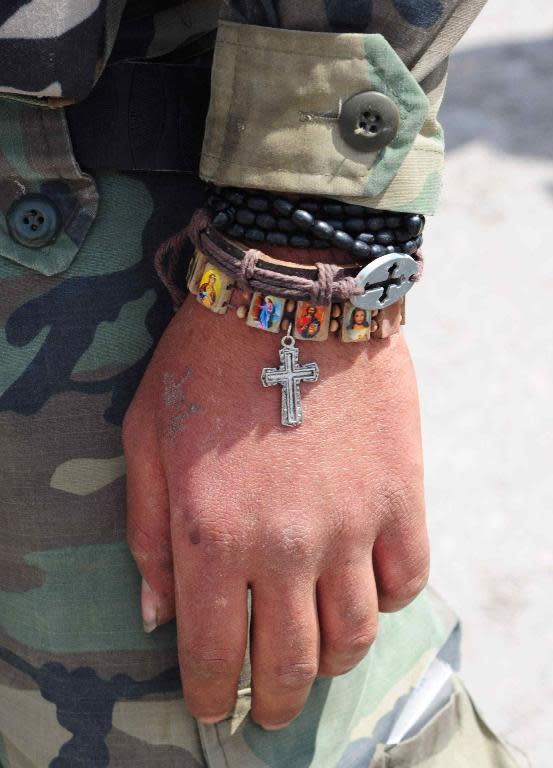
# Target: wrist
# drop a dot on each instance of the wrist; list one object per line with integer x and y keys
{"x": 218, "y": 361}
{"x": 231, "y": 342}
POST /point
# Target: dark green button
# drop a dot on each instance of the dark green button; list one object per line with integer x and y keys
{"x": 34, "y": 221}
{"x": 368, "y": 121}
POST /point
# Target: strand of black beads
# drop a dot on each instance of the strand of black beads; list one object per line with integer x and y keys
{"x": 224, "y": 219}
{"x": 363, "y": 248}
{"x": 235, "y": 197}
{"x": 365, "y": 233}
{"x": 392, "y": 220}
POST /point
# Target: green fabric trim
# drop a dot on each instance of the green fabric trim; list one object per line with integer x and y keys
{"x": 427, "y": 199}
{"x": 388, "y": 75}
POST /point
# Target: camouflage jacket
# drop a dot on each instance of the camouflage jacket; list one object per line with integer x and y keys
{"x": 282, "y": 69}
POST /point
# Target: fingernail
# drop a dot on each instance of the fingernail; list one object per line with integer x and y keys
{"x": 277, "y": 727}
{"x": 149, "y": 607}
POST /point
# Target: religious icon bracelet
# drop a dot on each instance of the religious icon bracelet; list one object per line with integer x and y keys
{"x": 307, "y": 303}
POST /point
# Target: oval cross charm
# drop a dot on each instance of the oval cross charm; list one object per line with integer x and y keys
{"x": 385, "y": 281}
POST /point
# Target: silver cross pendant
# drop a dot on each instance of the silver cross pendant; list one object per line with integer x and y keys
{"x": 290, "y": 375}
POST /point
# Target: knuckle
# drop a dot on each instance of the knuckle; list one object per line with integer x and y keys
{"x": 141, "y": 546}
{"x": 410, "y": 589}
{"x": 139, "y": 540}
{"x": 295, "y": 675}
{"x": 137, "y": 543}
{"x": 212, "y": 538}
{"x": 149, "y": 547}
{"x": 354, "y": 645}
{"x": 397, "y": 499}
{"x": 291, "y": 543}
{"x": 211, "y": 666}
{"x": 403, "y": 591}
{"x": 401, "y": 496}
{"x": 218, "y": 542}
{"x": 141, "y": 555}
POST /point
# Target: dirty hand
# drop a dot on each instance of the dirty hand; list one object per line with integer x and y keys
{"x": 324, "y": 522}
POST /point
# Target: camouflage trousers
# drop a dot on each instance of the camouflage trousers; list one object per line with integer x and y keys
{"x": 80, "y": 682}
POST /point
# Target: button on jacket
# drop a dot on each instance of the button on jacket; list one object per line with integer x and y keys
{"x": 328, "y": 97}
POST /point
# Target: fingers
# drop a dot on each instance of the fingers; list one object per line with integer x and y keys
{"x": 401, "y": 563}
{"x": 285, "y": 650}
{"x": 348, "y": 615}
{"x": 148, "y": 527}
{"x": 212, "y": 623}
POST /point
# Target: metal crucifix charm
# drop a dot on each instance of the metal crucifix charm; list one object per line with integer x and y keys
{"x": 290, "y": 375}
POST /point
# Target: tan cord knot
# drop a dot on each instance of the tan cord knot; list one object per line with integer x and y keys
{"x": 247, "y": 267}
{"x": 321, "y": 291}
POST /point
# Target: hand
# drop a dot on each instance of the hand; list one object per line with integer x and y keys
{"x": 324, "y": 522}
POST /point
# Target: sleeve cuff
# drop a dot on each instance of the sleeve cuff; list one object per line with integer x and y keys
{"x": 276, "y": 120}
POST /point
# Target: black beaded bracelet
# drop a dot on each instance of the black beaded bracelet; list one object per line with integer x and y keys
{"x": 265, "y": 218}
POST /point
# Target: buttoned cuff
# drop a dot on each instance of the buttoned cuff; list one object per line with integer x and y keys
{"x": 293, "y": 111}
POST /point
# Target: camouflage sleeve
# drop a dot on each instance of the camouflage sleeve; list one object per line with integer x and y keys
{"x": 283, "y": 71}
{"x": 55, "y": 54}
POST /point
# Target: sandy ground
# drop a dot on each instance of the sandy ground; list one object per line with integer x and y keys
{"x": 481, "y": 332}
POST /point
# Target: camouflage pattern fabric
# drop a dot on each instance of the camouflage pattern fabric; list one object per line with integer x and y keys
{"x": 73, "y": 348}
{"x": 55, "y": 55}
{"x": 80, "y": 682}
{"x": 399, "y": 47}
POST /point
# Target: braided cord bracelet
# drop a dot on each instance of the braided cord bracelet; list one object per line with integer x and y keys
{"x": 305, "y": 302}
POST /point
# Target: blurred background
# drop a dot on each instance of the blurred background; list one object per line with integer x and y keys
{"x": 481, "y": 333}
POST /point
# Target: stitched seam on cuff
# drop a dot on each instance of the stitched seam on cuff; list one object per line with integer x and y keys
{"x": 220, "y": 159}
{"x": 233, "y": 92}
{"x": 284, "y": 52}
